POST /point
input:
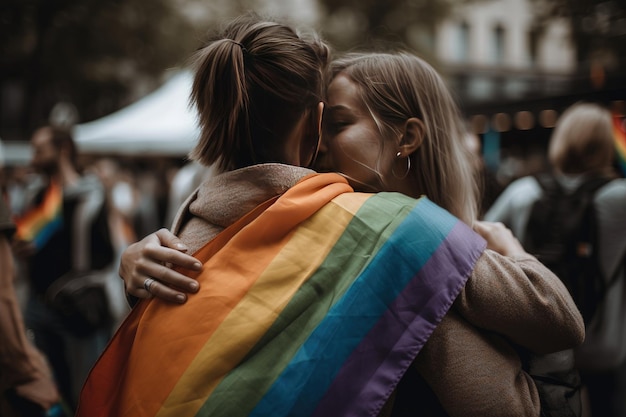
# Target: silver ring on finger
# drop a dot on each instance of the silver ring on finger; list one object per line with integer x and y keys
{"x": 147, "y": 284}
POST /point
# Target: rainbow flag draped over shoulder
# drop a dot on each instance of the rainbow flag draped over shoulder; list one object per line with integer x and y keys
{"x": 315, "y": 308}
{"x": 39, "y": 223}
{"x": 620, "y": 142}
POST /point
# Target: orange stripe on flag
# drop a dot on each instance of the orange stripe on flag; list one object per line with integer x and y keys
{"x": 156, "y": 361}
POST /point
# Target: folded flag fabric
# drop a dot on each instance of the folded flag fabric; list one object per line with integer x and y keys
{"x": 315, "y": 308}
{"x": 39, "y": 223}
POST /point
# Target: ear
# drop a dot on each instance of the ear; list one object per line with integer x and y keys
{"x": 413, "y": 136}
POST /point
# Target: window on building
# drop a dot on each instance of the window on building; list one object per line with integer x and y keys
{"x": 498, "y": 44}
{"x": 533, "y": 46}
{"x": 462, "y": 42}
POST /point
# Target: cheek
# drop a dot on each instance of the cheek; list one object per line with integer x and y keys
{"x": 356, "y": 156}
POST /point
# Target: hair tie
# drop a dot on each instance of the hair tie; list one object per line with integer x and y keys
{"x": 243, "y": 48}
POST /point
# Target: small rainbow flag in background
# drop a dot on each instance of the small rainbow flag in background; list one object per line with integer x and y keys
{"x": 316, "y": 307}
{"x": 620, "y": 142}
{"x": 39, "y": 223}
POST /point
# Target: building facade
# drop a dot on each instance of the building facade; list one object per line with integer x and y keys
{"x": 494, "y": 50}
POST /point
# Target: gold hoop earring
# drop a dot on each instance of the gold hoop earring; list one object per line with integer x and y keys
{"x": 408, "y": 167}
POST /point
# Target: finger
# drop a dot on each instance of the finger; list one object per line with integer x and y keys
{"x": 137, "y": 289}
{"x": 479, "y": 226}
{"x": 168, "y": 276}
{"x": 482, "y": 229}
{"x": 163, "y": 292}
{"x": 170, "y": 240}
{"x": 173, "y": 257}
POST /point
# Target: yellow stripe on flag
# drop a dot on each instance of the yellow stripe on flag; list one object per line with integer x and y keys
{"x": 259, "y": 308}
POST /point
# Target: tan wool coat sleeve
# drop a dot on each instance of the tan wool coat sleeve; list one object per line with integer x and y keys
{"x": 470, "y": 362}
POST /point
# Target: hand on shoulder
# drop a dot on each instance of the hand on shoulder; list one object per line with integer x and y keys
{"x": 499, "y": 238}
{"x": 146, "y": 268}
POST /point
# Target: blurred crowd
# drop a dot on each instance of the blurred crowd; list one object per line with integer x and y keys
{"x": 54, "y": 208}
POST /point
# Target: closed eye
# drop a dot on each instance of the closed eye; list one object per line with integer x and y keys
{"x": 336, "y": 126}
{"x": 337, "y": 118}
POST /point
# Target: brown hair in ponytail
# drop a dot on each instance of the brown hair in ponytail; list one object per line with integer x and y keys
{"x": 252, "y": 84}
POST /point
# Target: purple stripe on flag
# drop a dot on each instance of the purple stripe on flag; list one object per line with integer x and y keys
{"x": 375, "y": 367}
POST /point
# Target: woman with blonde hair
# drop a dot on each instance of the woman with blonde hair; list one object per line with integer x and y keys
{"x": 399, "y": 105}
{"x": 407, "y": 100}
{"x": 346, "y": 294}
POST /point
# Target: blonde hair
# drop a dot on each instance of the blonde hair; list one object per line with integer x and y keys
{"x": 583, "y": 140}
{"x": 398, "y": 86}
{"x": 252, "y": 84}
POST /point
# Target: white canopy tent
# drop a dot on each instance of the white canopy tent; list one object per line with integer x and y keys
{"x": 161, "y": 123}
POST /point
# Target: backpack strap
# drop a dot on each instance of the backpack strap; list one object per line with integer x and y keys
{"x": 84, "y": 215}
{"x": 561, "y": 242}
{"x": 588, "y": 189}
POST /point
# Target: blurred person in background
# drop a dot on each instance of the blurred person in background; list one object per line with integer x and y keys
{"x": 135, "y": 196}
{"x": 17, "y": 179}
{"x": 121, "y": 200}
{"x": 581, "y": 153}
{"x": 64, "y": 227}
{"x": 151, "y": 201}
{"x": 488, "y": 185}
{"x": 27, "y": 386}
{"x": 122, "y": 196}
